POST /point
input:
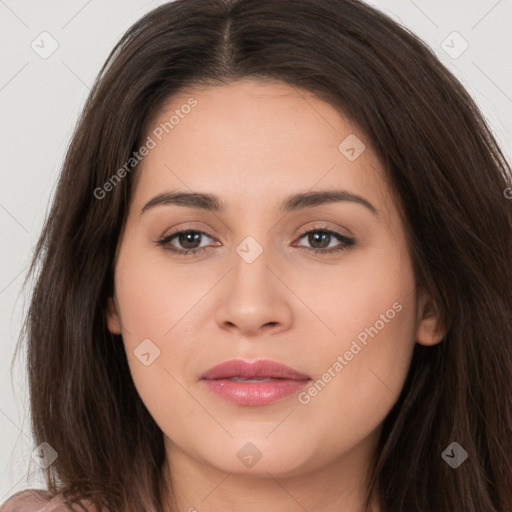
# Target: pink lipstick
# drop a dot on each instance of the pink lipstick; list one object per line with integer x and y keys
{"x": 253, "y": 383}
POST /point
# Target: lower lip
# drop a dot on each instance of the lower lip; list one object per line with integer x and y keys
{"x": 254, "y": 393}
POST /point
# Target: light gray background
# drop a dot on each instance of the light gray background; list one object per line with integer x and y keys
{"x": 40, "y": 100}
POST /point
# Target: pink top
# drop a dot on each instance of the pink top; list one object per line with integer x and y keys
{"x": 36, "y": 500}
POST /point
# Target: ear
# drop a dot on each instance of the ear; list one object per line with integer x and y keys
{"x": 430, "y": 330}
{"x": 113, "y": 319}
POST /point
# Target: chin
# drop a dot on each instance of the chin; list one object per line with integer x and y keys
{"x": 259, "y": 457}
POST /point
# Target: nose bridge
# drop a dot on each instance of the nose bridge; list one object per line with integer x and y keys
{"x": 256, "y": 256}
{"x": 253, "y": 248}
{"x": 251, "y": 260}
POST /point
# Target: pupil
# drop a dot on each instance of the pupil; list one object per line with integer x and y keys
{"x": 186, "y": 238}
{"x": 314, "y": 238}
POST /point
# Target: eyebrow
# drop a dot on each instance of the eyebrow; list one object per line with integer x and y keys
{"x": 210, "y": 202}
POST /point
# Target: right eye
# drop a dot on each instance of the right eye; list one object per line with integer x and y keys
{"x": 185, "y": 236}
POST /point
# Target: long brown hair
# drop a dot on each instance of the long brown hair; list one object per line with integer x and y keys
{"x": 447, "y": 175}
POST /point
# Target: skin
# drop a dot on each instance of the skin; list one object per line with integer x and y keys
{"x": 253, "y": 143}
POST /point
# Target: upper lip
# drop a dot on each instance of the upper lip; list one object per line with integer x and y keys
{"x": 263, "y": 368}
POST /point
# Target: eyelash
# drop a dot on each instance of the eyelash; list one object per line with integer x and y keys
{"x": 346, "y": 242}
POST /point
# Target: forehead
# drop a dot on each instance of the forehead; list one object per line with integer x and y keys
{"x": 257, "y": 139}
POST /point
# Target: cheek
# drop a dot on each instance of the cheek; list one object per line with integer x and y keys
{"x": 358, "y": 383}
{"x": 370, "y": 355}
{"x": 365, "y": 291}
{"x": 154, "y": 294}
{"x": 156, "y": 302}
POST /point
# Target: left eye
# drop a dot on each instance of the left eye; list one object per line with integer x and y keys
{"x": 321, "y": 235}
{"x": 188, "y": 239}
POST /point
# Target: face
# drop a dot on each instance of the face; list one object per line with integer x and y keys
{"x": 322, "y": 285}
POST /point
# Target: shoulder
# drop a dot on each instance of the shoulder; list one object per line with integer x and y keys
{"x": 35, "y": 500}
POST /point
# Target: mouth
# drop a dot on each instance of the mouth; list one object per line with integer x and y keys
{"x": 253, "y": 383}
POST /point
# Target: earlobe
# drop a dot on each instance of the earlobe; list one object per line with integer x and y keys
{"x": 113, "y": 320}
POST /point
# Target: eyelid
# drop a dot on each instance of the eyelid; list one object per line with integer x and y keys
{"x": 316, "y": 226}
{"x": 324, "y": 227}
{"x": 185, "y": 228}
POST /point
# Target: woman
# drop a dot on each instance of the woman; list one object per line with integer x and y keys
{"x": 342, "y": 338}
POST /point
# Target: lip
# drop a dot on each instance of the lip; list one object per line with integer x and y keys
{"x": 285, "y": 381}
{"x": 263, "y": 368}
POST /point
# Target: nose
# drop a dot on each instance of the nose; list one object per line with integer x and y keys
{"x": 254, "y": 299}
